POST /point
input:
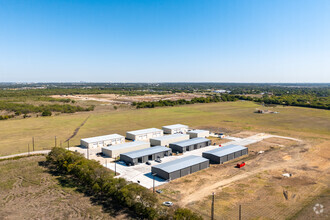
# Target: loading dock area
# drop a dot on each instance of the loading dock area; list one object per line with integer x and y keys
{"x": 115, "y": 151}
{"x": 224, "y": 154}
{"x": 102, "y": 141}
{"x": 189, "y": 145}
{"x": 175, "y": 129}
{"x": 180, "y": 167}
{"x": 144, "y": 134}
{"x": 144, "y": 155}
{"x": 168, "y": 139}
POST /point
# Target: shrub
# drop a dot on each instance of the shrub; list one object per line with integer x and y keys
{"x": 46, "y": 113}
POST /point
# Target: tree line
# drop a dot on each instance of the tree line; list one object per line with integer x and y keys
{"x": 99, "y": 181}
{"x": 289, "y": 100}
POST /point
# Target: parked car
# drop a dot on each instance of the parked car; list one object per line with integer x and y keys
{"x": 148, "y": 163}
{"x": 159, "y": 191}
{"x": 99, "y": 154}
{"x": 168, "y": 203}
{"x": 158, "y": 160}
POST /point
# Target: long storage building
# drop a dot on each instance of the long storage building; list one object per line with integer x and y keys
{"x": 175, "y": 129}
{"x": 198, "y": 133}
{"x": 144, "y": 134}
{"x": 102, "y": 141}
{"x": 189, "y": 145}
{"x": 115, "y": 151}
{"x": 226, "y": 153}
{"x": 142, "y": 156}
{"x": 167, "y": 139}
{"x": 180, "y": 167}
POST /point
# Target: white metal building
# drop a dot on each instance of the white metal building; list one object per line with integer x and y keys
{"x": 144, "y": 134}
{"x": 168, "y": 139}
{"x": 115, "y": 151}
{"x": 102, "y": 141}
{"x": 198, "y": 133}
{"x": 174, "y": 129}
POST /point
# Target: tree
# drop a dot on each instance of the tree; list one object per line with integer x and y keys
{"x": 46, "y": 113}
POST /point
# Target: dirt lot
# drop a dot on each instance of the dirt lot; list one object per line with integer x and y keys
{"x": 28, "y": 191}
{"x": 259, "y": 186}
{"x": 123, "y": 99}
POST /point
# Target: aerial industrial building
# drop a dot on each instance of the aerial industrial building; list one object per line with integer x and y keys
{"x": 115, "y": 151}
{"x": 226, "y": 153}
{"x": 180, "y": 167}
{"x": 144, "y": 134}
{"x": 175, "y": 129}
{"x": 198, "y": 133}
{"x": 102, "y": 141}
{"x": 142, "y": 156}
{"x": 189, "y": 145}
{"x": 167, "y": 139}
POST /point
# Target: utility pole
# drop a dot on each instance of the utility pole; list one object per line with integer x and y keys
{"x": 212, "y": 207}
{"x": 68, "y": 144}
{"x": 115, "y": 168}
{"x": 55, "y": 141}
{"x": 28, "y": 149}
{"x": 33, "y": 143}
{"x": 153, "y": 185}
{"x": 88, "y": 152}
{"x": 240, "y": 213}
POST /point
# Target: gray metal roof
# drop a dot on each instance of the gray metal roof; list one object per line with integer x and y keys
{"x": 223, "y": 151}
{"x": 198, "y": 131}
{"x": 175, "y": 126}
{"x": 171, "y": 136}
{"x": 191, "y": 142}
{"x": 126, "y": 145}
{"x": 102, "y": 138}
{"x": 147, "y": 151}
{"x": 181, "y": 163}
{"x": 144, "y": 131}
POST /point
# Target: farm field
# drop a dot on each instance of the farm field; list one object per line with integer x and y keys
{"x": 28, "y": 191}
{"x": 230, "y": 117}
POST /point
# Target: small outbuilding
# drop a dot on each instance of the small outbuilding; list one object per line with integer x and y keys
{"x": 180, "y": 167}
{"x": 175, "y": 129}
{"x": 189, "y": 145}
{"x": 226, "y": 153}
{"x": 142, "y": 156}
{"x": 144, "y": 134}
{"x": 167, "y": 139}
{"x": 115, "y": 151}
{"x": 102, "y": 141}
{"x": 198, "y": 133}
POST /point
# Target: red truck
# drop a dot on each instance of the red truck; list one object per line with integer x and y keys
{"x": 239, "y": 165}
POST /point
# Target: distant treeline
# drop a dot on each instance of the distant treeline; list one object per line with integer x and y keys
{"x": 290, "y": 100}
{"x": 94, "y": 179}
{"x": 23, "y": 108}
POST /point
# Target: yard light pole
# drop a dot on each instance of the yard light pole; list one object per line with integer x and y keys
{"x": 88, "y": 152}
{"x": 240, "y": 213}
{"x": 115, "y": 168}
{"x": 68, "y": 144}
{"x": 55, "y": 141}
{"x": 33, "y": 143}
{"x": 28, "y": 149}
{"x": 212, "y": 207}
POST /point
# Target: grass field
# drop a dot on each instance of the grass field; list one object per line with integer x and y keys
{"x": 28, "y": 191}
{"x": 15, "y": 135}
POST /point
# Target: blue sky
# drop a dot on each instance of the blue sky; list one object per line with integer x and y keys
{"x": 165, "y": 41}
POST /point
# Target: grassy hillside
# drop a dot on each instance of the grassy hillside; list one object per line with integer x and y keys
{"x": 28, "y": 191}
{"x": 234, "y": 116}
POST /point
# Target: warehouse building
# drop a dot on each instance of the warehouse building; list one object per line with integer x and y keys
{"x": 198, "y": 133}
{"x": 142, "y": 156}
{"x": 175, "y": 129}
{"x": 144, "y": 134}
{"x": 102, "y": 141}
{"x": 115, "y": 151}
{"x": 189, "y": 145}
{"x": 180, "y": 167}
{"x": 224, "y": 154}
{"x": 167, "y": 139}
